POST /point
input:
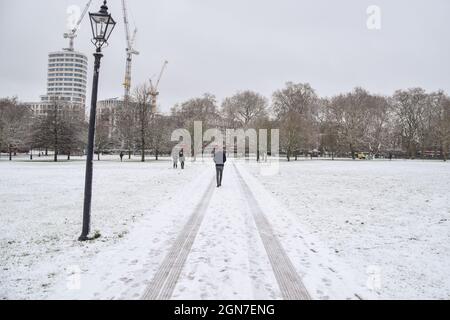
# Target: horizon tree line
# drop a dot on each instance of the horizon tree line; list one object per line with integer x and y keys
{"x": 411, "y": 123}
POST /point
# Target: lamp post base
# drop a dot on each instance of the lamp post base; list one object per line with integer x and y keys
{"x": 84, "y": 238}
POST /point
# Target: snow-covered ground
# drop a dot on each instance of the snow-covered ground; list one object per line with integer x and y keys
{"x": 41, "y": 208}
{"x": 346, "y": 226}
{"x": 389, "y": 221}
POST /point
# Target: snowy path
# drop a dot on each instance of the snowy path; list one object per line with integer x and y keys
{"x": 250, "y": 247}
{"x": 228, "y": 259}
{"x": 234, "y": 242}
{"x": 235, "y": 255}
{"x": 164, "y": 281}
{"x": 289, "y": 281}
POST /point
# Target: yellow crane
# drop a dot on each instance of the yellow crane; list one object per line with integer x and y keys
{"x": 130, "y": 51}
{"x": 154, "y": 93}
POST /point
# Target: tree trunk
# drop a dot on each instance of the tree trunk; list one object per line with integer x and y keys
{"x": 412, "y": 152}
{"x": 46, "y": 151}
{"x": 257, "y": 148}
{"x": 129, "y": 154}
{"x": 142, "y": 140}
{"x": 156, "y": 154}
{"x": 98, "y": 156}
{"x": 68, "y": 156}
{"x": 10, "y": 153}
{"x": 352, "y": 151}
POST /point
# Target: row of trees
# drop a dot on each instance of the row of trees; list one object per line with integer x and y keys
{"x": 60, "y": 129}
{"x": 409, "y": 123}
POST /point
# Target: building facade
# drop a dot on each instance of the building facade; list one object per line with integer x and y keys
{"x": 108, "y": 113}
{"x": 66, "y": 82}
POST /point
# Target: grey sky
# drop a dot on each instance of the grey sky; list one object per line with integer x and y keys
{"x": 225, "y": 46}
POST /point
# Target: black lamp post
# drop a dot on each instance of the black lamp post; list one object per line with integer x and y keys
{"x": 102, "y": 26}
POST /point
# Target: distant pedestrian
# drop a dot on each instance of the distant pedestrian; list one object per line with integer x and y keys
{"x": 175, "y": 159}
{"x": 121, "y": 156}
{"x": 390, "y": 155}
{"x": 219, "y": 159}
{"x": 182, "y": 159}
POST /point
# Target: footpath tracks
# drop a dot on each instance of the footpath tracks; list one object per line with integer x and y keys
{"x": 166, "y": 277}
{"x": 163, "y": 283}
{"x": 290, "y": 283}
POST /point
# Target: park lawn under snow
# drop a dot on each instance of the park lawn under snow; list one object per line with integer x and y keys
{"x": 344, "y": 224}
{"x": 41, "y": 209}
{"x": 389, "y": 221}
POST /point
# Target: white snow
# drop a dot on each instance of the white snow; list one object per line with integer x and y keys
{"x": 388, "y": 221}
{"x": 347, "y": 226}
{"x": 228, "y": 260}
{"x": 41, "y": 211}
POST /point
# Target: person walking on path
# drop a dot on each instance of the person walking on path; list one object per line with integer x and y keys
{"x": 121, "y": 156}
{"x": 219, "y": 159}
{"x": 182, "y": 159}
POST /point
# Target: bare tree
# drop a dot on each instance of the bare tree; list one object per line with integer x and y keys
{"x": 126, "y": 121}
{"x": 244, "y": 110}
{"x": 328, "y": 129}
{"x": 203, "y": 109}
{"x": 60, "y": 129}
{"x": 294, "y": 108}
{"x": 439, "y": 128}
{"x": 104, "y": 139}
{"x": 409, "y": 106}
{"x": 14, "y": 124}
{"x": 74, "y": 133}
{"x": 160, "y": 134}
{"x": 377, "y": 133}
{"x": 352, "y": 115}
{"x": 142, "y": 99}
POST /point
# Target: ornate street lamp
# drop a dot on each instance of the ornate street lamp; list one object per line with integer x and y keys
{"x": 102, "y": 26}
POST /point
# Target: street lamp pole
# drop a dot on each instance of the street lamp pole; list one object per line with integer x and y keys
{"x": 90, "y": 151}
{"x": 102, "y": 25}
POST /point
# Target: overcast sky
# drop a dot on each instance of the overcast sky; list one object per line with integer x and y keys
{"x": 229, "y": 45}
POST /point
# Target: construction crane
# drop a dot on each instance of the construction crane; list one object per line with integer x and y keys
{"x": 130, "y": 51}
{"x": 72, "y": 34}
{"x": 154, "y": 88}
